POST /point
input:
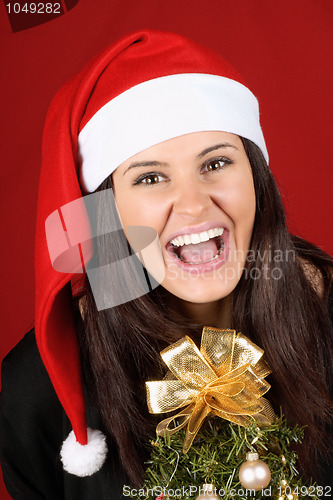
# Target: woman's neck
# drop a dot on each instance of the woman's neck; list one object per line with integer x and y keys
{"x": 217, "y": 314}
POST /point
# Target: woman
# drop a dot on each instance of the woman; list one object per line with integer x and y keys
{"x": 166, "y": 136}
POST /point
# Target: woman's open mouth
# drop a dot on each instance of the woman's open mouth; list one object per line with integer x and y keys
{"x": 199, "y": 249}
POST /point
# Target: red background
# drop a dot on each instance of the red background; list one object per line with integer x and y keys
{"x": 283, "y": 48}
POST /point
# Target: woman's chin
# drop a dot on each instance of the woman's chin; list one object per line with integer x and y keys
{"x": 199, "y": 290}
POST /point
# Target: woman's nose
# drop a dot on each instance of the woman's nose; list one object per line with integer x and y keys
{"x": 192, "y": 199}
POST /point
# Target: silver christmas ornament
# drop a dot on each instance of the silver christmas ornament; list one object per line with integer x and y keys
{"x": 254, "y": 474}
{"x": 208, "y": 491}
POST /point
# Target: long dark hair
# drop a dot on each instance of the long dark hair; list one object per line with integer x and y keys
{"x": 281, "y": 303}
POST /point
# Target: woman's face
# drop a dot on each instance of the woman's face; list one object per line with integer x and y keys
{"x": 197, "y": 192}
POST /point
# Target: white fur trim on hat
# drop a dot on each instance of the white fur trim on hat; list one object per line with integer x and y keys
{"x": 161, "y": 109}
{"x": 84, "y": 460}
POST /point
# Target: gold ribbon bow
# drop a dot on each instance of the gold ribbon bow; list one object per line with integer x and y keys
{"x": 224, "y": 378}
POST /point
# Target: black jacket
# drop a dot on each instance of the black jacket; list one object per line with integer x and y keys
{"x": 33, "y": 426}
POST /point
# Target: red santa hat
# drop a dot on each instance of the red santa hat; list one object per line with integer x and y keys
{"x": 146, "y": 88}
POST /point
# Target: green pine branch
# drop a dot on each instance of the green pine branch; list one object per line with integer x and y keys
{"x": 216, "y": 456}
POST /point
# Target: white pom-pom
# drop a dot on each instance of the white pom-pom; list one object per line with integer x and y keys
{"x": 84, "y": 460}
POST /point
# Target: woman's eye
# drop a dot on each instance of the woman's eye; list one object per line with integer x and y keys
{"x": 149, "y": 179}
{"x": 216, "y": 164}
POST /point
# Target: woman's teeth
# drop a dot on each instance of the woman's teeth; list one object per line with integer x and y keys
{"x": 199, "y": 248}
{"x": 195, "y": 238}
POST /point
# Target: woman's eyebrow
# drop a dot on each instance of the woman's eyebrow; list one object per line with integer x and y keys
{"x": 217, "y": 146}
{"x": 163, "y": 164}
{"x": 146, "y": 164}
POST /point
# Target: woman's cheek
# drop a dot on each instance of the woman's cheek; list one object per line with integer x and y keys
{"x": 239, "y": 201}
{"x": 146, "y": 211}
